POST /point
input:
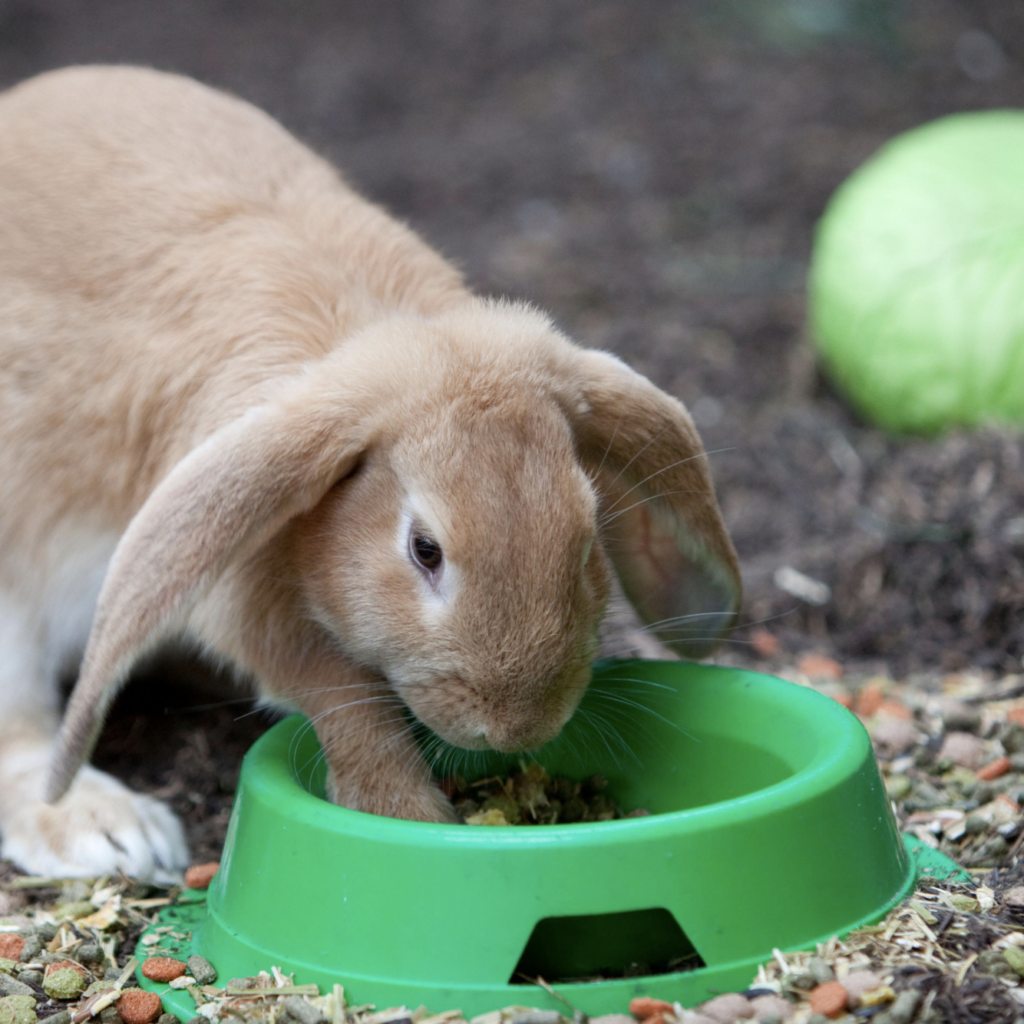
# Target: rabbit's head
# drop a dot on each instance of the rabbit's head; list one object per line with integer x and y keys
{"x": 462, "y": 561}
{"x": 454, "y": 492}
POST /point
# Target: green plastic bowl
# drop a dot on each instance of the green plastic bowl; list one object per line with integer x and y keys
{"x": 769, "y": 828}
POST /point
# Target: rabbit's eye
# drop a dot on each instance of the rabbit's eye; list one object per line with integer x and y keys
{"x": 426, "y": 552}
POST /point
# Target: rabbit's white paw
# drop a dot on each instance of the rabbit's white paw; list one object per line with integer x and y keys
{"x": 98, "y": 827}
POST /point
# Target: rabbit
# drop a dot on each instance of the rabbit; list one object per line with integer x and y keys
{"x": 242, "y": 405}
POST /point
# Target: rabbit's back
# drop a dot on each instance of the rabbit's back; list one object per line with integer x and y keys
{"x": 165, "y": 251}
{"x": 114, "y": 177}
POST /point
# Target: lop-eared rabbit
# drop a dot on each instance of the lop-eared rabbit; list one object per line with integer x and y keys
{"x": 242, "y": 405}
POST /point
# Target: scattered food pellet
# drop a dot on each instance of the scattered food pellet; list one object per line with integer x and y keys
{"x": 302, "y": 1011}
{"x": 765, "y": 644}
{"x": 869, "y": 699}
{"x": 89, "y": 953}
{"x": 963, "y": 748}
{"x": 894, "y": 709}
{"x": 18, "y": 1010}
{"x": 64, "y": 980}
{"x": 820, "y": 971}
{"x": 857, "y": 983}
{"x": 818, "y": 666}
{"x": 33, "y": 946}
{"x": 894, "y": 736}
{"x": 96, "y": 987}
{"x": 201, "y": 969}
{"x": 728, "y": 1008}
{"x": 1014, "y": 897}
{"x": 163, "y": 968}
{"x": 1014, "y": 956}
{"x": 138, "y": 1007}
{"x": 10, "y": 986}
{"x": 771, "y": 1006}
{"x": 1005, "y": 798}
{"x": 11, "y": 945}
{"x": 828, "y": 999}
{"x": 643, "y": 1007}
{"x": 1000, "y": 766}
{"x": 199, "y": 876}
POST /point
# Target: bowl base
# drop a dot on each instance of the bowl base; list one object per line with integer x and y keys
{"x": 593, "y": 998}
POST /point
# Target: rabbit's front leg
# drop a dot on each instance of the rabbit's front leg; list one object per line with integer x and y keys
{"x": 99, "y": 826}
{"x": 373, "y": 762}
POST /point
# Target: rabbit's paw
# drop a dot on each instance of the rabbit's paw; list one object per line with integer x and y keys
{"x": 411, "y": 798}
{"x": 425, "y": 803}
{"x": 98, "y": 827}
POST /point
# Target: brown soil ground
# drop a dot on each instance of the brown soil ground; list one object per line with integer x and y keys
{"x": 651, "y": 173}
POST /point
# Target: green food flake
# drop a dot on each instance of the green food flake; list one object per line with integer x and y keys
{"x": 18, "y": 1010}
{"x": 65, "y": 983}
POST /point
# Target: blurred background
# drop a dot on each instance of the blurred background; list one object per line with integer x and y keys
{"x": 651, "y": 173}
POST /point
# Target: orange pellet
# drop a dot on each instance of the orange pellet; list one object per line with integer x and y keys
{"x": 1005, "y": 798}
{"x": 199, "y": 876}
{"x": 60, "y": 965}
{"x": 869, "y": 700}
{"x": 829, "y": 999}
{"x": 765, "y": 644}
{"x": 644, "y": 1007}
{"x": 138, "y": 1007}
{"x": 163, "y": 968}
{"x": 1000, "y": 766}
{"x": 1016, "y": 715}
{"x": 818, "y": 666}
{"x": 895, "y": 709}
{"x": 843, "y": 697}
{"x": 11, "y": 946}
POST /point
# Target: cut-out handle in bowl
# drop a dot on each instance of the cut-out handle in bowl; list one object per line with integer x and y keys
{"x": 599, "y": 946}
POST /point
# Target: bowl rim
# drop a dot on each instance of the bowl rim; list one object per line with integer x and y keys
{"x": 841, "y": 746}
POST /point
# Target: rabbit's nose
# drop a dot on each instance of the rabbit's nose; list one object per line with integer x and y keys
{"x": 517, "y": 737}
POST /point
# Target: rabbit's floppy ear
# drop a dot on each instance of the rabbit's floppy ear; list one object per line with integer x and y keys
{"x": 223, "y": 500}
{"x": 664, "y": 532}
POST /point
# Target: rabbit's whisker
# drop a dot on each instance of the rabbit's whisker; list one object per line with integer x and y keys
{"x": 680, "y": 618}
{"x": 604, "y": 731}
{"x": 608, "y": 448}
{"x": 665, "y": 469}
{"x": 650, "y": 626}
{"x": 606, "y": 519}
{"x": 654, "y": 439}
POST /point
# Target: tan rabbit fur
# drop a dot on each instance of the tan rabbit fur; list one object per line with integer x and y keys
{"x": 240, "y": 404}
